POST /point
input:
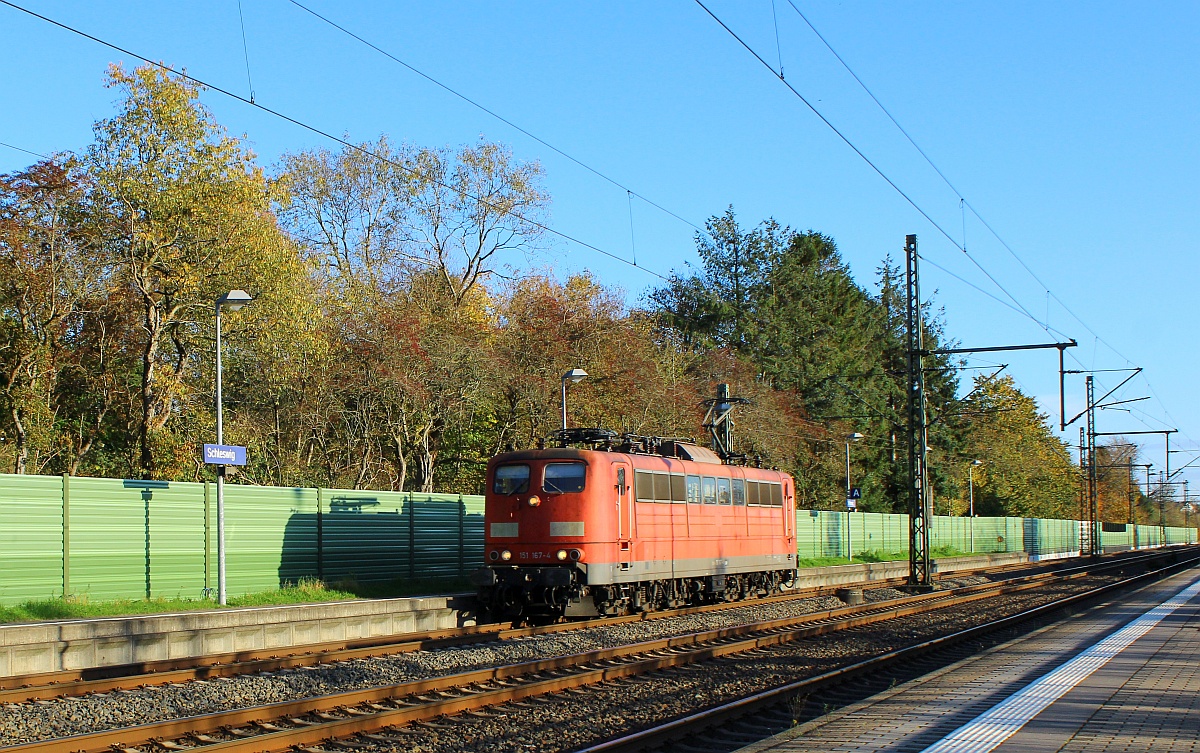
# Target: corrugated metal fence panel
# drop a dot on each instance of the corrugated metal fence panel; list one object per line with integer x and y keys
{"x": 1051, "y": 536}
{"x": 376, "y": 537}
{"x": 110, "y": 538}
{"x": 1116, "y": 540}
{"x": 31, "y": 537}
{"x": 176, "y": 537}
{"x": 822, "y": 533}
{"x": 364, "y": 535}
{"x": 135, "y": 539}
{"x": 439, "y": 525}
{"x": 473, "y": 551}
{"x": 879, "y": 533}
{"x": 262, "y": 536}
{"x": 988, "y": 534}
{"x": 815, "y": 537}
{"x": 1148, "y": 536}
{"x": 1179, "y": 535}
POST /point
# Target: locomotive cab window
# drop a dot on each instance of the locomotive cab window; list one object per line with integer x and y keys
{"x": 564, "y": 478}
{"x": 511, "y": 479}
{"x": 739, "y": 492}
{"x": 693, "y": 490}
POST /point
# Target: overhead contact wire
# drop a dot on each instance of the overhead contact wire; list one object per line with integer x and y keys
{"x": 872, "y": 165}
{"x": 495, "y": 115}
{"x": 19, "y": 149}
{"x": 962, "y": 199}
{"x": 330, "y": 136}
{"x": 963, "y": 202}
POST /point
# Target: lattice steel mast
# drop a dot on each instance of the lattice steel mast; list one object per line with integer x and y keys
{"x": 919, "y": 575}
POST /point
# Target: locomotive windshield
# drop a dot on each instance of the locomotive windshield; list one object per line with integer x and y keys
{"x": 564, "y": 478}
{"x": 511, "y": 479}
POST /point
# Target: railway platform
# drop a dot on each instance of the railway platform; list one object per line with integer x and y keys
{"x": 1124, "y": 676}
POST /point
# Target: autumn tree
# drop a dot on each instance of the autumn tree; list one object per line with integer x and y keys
{"x": 472, "y": 209}
{"x": 189, "y": 217}
{"x": 1026, "y": 470}
{"x": 51, "y": 300}
{"x": 784, "y": 303}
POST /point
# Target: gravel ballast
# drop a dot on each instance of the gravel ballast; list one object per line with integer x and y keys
{"x": 628, "y": 706}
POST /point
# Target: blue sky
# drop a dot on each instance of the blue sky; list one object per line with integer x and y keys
{"x": 1071, "y": 127}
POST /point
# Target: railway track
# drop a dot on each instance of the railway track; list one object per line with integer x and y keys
{"x": 50, "y": 685}
{"x": 379, "y": 717}
{"x": 719, "y": 729}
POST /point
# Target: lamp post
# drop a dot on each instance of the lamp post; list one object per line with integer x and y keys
{"x": 971, "y": 484}
{"x": 233, "y": 300}
{"x": 854, "y": 437}
{"x": 573, "y": 376}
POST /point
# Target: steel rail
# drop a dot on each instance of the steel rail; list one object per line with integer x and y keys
{"x": 366, "y": 709}
{"x": 50, "y": 685}
{"x": 718, "y": 715}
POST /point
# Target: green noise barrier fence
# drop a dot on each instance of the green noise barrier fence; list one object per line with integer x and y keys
{"x": 823, "y": 533}
{"x": 121, "y": 539}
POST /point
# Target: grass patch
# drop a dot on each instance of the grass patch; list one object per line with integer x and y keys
{"x": 305, "y": 592}
{"x": 873, "y": 555}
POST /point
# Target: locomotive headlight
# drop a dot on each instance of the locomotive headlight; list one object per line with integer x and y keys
{"x": 534, "y": 501}
{"x": 506, "y": 555}
{"x": 494, "y": 555}
{"x": 562, "y": 555}
{"x": 575, "y": 555}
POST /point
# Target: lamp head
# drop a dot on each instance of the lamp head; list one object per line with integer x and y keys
{"x": 575, "y": 375}
{"x": 976, "y": 462}
{"x": 853, "y": 437}
{"x": 234, "y": 300}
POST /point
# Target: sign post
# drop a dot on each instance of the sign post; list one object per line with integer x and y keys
{"x": 222, "y": 455}
{"x": 851, "y": 505}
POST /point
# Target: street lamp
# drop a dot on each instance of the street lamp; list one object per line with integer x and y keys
{"x": 233, "y": 300}
{"x": 573, "y": 376}
{"x": 971, "y": 482}
{"x": 854, "y": 437}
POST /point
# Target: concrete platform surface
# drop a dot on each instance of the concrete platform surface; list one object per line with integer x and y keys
{"x": 1123, "y": 677}
{"x": 28, "y": 648}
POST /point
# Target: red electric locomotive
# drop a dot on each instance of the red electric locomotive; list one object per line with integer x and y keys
{"x": 630, "y": 524}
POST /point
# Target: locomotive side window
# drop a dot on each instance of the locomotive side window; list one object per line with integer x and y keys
{"x": 511, "y": 479}
{"x": 709, "y": 487}
{"x": 693, "y": 490}
{"x": 643, "y": 486}
{"x": 752, "y": 496}
{"x": 723, "y": 491}
{"x": 662, "y": 487}
{"x": 678, "y": 488}
{"x": 564, "y": 478}
{"x": 739, "y": 492}
{"x": 776, "y": 495}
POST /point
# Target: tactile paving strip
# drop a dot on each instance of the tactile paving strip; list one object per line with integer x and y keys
{"x": 920, "y": 713}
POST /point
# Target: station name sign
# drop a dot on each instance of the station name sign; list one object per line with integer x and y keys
{"x": 224, "y": 454}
